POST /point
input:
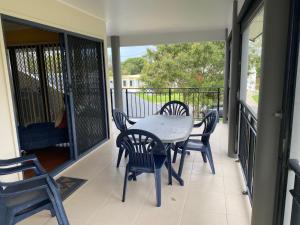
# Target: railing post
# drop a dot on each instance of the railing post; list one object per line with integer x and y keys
{"x": 126, "y": 96}
{"x": 295, "y": 217}
{"x": 111, "y": 100}
{"x": 218, "y": 101}
{"x": 170, "y": 94}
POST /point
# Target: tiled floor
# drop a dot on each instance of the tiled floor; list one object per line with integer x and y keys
{"x": 205, "y": 199}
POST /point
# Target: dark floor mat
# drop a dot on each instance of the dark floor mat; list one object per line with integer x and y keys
{"x": 68, "y": 185}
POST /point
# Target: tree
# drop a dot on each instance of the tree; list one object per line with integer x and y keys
{"x": 133, "y": 66}
{"x": 255, "y": 47}
{"x": 184, "y": 65}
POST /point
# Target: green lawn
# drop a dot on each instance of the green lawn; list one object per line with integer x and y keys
{"x": 255, "y": 98}
{"x": 159, "y": 98}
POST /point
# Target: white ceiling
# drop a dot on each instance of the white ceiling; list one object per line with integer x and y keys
{"x": 142, "y": 17}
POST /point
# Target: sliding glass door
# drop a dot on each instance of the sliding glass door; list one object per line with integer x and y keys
{"x": 86, "y": 87}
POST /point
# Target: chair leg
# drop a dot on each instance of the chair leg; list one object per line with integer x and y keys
{"x": 6, "y": 218}
{"x": 52, "y": 212}
{"x": 63, "y": 216}
{"x": 120, "y": 156}
{"x": 60, "y": 214}
{"x": 204, "y": 157}
{"x": 55, "y": 198}
{"x": 134, "y": 176}
{"x": 210, "y": 159}
{"x": 125, "y": 184}
{"x": 126, "y": 153}
{"x": 56, "y": 211}
{"x": 183, "y": 153}
{"x": 157, "y": 174}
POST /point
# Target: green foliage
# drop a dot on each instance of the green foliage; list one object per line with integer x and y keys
{"x": 184, "y": 65}
{"x": 255, "y": 55}
{"x": 110, "y": 72}
{"x": 255, "y": 98}
{"x": 159, "y": 98}
{"x": 132, "y": 66}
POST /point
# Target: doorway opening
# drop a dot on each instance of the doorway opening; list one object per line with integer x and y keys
{"x": 36, "y": 70}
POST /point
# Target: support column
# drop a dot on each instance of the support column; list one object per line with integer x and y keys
{"x": 275, "y": 33}
{"x": 226, "y": 77}
{"x": 116, "y": 66}
{"x": 234, "y": 83}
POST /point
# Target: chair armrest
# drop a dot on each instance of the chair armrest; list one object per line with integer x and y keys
{"x": 9, "y": 162}
{"x": 201, "y": 122}
{"x": 130, "y": 121}
{"x": 200, "y": 135}
{"x": 197, "y": 125}
{"x": 27, "y": 162}
{"x": 28, "y": 185}
{"x": 20, "y": 168}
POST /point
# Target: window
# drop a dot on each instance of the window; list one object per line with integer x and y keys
{"x": 130, "y": 83}
{"x": 124, "y": 83}
{"x": 251, "y": 62}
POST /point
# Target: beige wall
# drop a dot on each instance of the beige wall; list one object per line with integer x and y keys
{"x": 47, "y": 12}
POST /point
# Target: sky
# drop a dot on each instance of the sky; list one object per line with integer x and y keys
{"x": 131, "y": 52}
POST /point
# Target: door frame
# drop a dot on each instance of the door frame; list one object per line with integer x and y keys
{"x": 288, "y": 110}
{"x": 69, "y": 87}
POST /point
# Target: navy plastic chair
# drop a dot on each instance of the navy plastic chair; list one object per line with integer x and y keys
{"x": 121, "y": 120}
{"x": 24, "y": 198}
{"x": 202, "y": 145}
{"x": 175, "y": 108}
{"x": 179, "y": 145}
{"x": 147, "y": 154}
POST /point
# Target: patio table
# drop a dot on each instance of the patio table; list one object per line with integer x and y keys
{"x": 169, "y": 129}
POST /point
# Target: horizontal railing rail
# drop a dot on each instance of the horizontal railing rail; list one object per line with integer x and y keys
{"x": 142, "y": 102}
{"x": 247, "y": 132}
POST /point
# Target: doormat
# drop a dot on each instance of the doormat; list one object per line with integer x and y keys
{"x": 68, "y": 185}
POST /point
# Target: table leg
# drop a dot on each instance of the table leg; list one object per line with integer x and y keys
{"x": 171, "y": 171}
{"x": 169, "y": 166}
{"x": 183, "y": 153}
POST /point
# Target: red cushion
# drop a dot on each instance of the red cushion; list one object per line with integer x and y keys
{"x": 64, "y": 121}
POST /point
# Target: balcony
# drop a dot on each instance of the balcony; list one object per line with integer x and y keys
{"x": 204, "y": 199}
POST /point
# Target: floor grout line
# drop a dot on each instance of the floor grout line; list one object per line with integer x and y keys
{"x": 187, "y": 195}
{"x": 227, "y": 221}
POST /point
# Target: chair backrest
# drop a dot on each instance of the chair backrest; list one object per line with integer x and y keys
{"x": 120, "y": 119}
{"x": 175, "y": 108}
{"x": 210, "y": 122}
{"x": 141, "y": 146}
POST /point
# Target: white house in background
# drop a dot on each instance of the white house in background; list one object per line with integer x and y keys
{"x": 128, "y": 81}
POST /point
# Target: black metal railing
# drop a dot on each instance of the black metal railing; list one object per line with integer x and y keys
{"x": 247, "y": 144}
{"x": 141, "y": 102}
